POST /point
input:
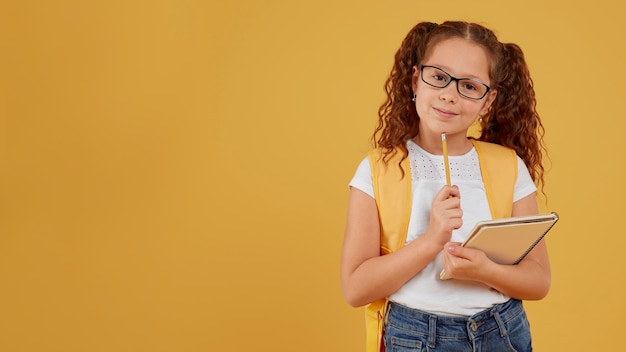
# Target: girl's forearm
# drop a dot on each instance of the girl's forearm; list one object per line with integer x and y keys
{"x": 380, "y": 276}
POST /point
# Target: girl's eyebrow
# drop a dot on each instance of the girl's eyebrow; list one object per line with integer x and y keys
{"x": 447, "y": 70}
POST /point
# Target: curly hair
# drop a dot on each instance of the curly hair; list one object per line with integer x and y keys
{"x": 512, "y": 120}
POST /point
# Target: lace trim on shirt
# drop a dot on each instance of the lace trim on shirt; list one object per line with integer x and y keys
{"x": 426, "y": 166}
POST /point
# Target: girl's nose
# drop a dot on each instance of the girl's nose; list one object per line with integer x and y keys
{"x": 450, "y": 93}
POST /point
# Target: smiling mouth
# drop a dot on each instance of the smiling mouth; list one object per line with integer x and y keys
{"x": 445, "y": 112}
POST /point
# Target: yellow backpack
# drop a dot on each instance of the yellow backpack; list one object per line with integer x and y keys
{"x": 498, "y": 166}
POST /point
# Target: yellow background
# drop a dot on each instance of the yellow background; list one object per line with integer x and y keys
{"x": 174, "y": 173}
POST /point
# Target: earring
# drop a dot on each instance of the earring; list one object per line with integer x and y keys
{"x": 413, "y": 97}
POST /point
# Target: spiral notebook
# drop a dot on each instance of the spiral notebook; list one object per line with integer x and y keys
{"x": 509, "y": 240}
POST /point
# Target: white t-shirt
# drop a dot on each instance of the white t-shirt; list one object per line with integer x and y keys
{"x": 425, "y": 291}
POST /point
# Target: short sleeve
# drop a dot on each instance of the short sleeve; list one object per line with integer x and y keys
{"x": 362, "y": 179}
{"x": 524, "y": 184}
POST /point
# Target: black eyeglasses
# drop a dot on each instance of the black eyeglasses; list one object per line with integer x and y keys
{"x": 467, "y": 87}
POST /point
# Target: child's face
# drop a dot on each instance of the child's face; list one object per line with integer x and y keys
{"x": 444, "y": 109}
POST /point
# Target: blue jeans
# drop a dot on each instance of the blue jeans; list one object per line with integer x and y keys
{"x": 504, "y": 327}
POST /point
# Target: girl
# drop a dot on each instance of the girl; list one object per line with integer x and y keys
{"x": 445, "y": 77}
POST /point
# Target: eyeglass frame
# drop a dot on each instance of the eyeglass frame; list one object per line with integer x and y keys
{"x": 453, "y": 79}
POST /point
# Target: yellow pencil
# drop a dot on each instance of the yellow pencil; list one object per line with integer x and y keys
{"x": 444, "y": 144}
{"x": 445, "y": 158}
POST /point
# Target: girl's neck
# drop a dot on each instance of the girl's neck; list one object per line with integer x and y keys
{"x": 457, "y": 145}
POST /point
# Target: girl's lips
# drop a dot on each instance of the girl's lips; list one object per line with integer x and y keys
{"x": 446, "y": 113}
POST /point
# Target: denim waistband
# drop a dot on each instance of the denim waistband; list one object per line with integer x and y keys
{"x": 474, "y": 325}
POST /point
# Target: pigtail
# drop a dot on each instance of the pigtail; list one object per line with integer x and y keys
{"x": 397, "y": 118}
{"x": 513, "y": 120}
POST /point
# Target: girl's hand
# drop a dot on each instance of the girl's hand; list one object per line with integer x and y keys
{"x": 446, "y": 215}
{"x": 463, "y": 263}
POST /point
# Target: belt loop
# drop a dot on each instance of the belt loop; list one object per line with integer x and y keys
{"x": 432, "y": 331}
{"x": 386, "y": 312}
{"x": 496, "y": 316}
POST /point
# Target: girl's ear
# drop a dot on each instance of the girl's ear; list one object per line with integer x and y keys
{"x": 491, "y": 97}
{"x": 416, "y": 73}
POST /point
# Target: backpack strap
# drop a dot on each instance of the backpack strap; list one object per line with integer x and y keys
{"x": 498, "y": 167}
{"x": 393, "y": 192}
